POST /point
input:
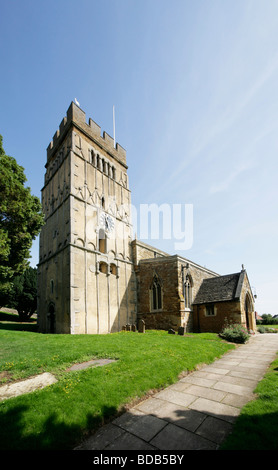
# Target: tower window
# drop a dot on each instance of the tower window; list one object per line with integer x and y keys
{"x": 156, "y": 294}
{"x": 93, "y": 158}
{"x": 102, "y": 241}
{"x": 103, "y": 268}
{"x": 98, "y": 162}
{"x": 113, "y": 269}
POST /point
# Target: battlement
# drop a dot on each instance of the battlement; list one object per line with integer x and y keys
{"x": 77, "y": 117}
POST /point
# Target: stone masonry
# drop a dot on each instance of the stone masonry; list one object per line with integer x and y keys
{"x": 92, "y": 277}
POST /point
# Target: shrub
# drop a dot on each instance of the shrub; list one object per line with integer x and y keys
{"x": 235, "y": 333}
{"x": 261, "y": 329}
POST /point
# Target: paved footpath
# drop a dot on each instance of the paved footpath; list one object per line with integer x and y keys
{"x": 196, "y": 413}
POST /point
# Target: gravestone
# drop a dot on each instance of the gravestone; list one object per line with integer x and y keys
{"x": 181, "y": 330}
{"x": 171, "y": 332}
{"x": 133, "y": 327}
{"x": 141, "y": 326}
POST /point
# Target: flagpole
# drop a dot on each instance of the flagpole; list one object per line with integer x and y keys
{"x": 114, "y": 126}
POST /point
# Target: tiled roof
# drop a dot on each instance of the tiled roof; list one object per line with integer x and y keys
{"x": 220, "y": 288}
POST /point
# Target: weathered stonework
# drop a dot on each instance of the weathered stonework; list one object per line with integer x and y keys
{"x": 238, "y": 309}
{"x": 85, "y": 272}
{"x": 172, "y": 271}
{"x": 92, "y": 278}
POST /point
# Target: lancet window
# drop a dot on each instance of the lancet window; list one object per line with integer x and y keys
{"x": 187, "y": 292}
{"x": 156, "y": 294}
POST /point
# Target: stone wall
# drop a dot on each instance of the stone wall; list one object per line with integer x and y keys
{"x": 171, "y": 270}
{"x": 89, "y": 286}
{"x": 224, "y": 312}
{"x": 166, "y": 270}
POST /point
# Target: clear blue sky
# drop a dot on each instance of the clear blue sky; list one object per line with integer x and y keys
{"x": 195, "y": 88}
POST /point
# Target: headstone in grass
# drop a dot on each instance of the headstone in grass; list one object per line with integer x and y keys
{"x": 181, "y": 330}
{"x": 141, "y": 326}
{"x": 171, "y": 331}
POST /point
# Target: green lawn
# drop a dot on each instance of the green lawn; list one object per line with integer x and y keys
{"x": 58, "y": 416}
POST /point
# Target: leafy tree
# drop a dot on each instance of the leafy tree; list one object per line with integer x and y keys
{"x": 268, "y": 319}
{"x": 24, "y": 294}
{"x": 21, "y": 219}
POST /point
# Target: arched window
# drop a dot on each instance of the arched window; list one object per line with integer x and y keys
{"x": 156, "y": 294}
{"x": 93, "y": 158}
{"x": 113, "y": 269}
{"x": 103, "y": 268}
{"x": 187, "y": 292}
{"x": 104, "y": 166}
{"x": 98, "y": 162}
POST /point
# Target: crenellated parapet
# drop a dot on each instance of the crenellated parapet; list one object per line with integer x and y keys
{"x": 77, "y": 118}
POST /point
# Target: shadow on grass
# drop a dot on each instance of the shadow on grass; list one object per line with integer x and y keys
{"x": 54, "y": 434}
{"x": 19, "y": 327}
{"x": 256, "y": 432}
{"x": 12, "y": 322}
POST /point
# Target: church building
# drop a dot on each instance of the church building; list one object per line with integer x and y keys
{"x": 93, "y": 278}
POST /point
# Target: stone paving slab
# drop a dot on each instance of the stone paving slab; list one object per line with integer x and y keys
{"x": 196, "y": 413}
{"x": 26, "y": 386}
{"x": 43, "y": 380}
{"x": 92, "y": 363}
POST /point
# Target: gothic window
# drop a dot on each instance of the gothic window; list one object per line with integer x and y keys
{"x": 187, "y": 292}
{"x": 156, "y": 294}
{"x": 52, "y": 286}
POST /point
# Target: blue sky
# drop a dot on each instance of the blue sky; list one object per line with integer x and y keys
{"x": 195, "y": 89}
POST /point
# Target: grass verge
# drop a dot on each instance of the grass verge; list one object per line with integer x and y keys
{"x": 58, "y": 416}
{"x": 257, "y": 426}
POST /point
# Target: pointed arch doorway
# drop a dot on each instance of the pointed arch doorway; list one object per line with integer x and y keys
{"x": 51, "y": 317}
{"x": 248, "y": 307}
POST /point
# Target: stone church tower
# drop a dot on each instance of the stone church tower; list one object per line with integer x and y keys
{"x": 86, "y": 280}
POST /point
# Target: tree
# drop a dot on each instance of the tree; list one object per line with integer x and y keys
{"x": 24, "y": 294}
{"x": 21, "y": 219}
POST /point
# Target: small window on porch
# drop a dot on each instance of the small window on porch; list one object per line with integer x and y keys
{"x": 210, "y": 312}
